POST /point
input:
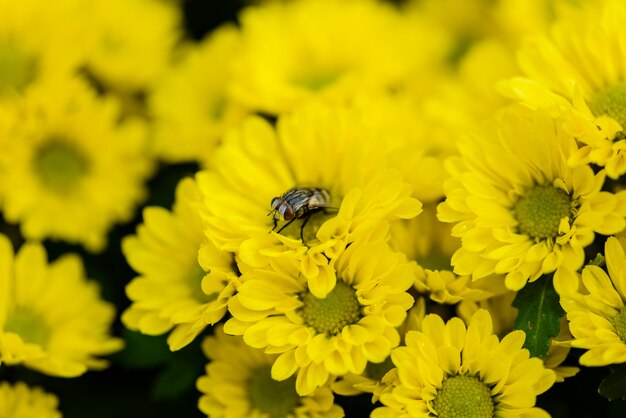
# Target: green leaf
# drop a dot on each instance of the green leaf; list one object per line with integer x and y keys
{"x": 614, "y": 385}
{"x": 539, "y": 315}
{"x": 142, "y": 351}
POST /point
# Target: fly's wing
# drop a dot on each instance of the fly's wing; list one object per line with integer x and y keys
{"x": 299, "y": 199}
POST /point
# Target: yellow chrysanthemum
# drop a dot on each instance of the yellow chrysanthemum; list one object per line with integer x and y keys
{"x": 462, "y": 100}
{"x": 238, "y": 384}
{"x": 191, "y": 105}
{"x": 51, "y": 318}
{"x": 503, "y": 316}
{"x": 322, "y": 337}
{"x": 20, "y": 401}
{"x": 518, "y": 207}
{"x": 29, "y": 57}
{"x": 378, "y": 378}
{"x": 427, "y": 242}
{"x": 475, "y": 20}
{"x": 419, "y": 155}
{"x": 324, "y": 50}
{"x": 595, "y": 306}
{"x": 178, "y": 288}
{"x": 69, "y": 169}
{"x": 448, "y": 370}
{"x": 316, "y": 147}
{"x": 579, "y": 67}
{"x": 126, "y": 44}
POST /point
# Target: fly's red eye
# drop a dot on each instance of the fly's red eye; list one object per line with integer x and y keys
{"x": 288, "y": 213}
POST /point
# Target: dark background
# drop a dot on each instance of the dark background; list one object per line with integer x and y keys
{"x": 147, "y": 380}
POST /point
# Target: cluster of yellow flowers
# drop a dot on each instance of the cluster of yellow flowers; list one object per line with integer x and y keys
{"x": 379, "y": 185}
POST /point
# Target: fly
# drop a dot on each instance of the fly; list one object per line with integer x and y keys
{"x": 298, "y": 203}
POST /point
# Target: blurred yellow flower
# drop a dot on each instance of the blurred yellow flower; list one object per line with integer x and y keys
{"x": 191, "y": 105}
{"x": 238, "y": 384}
{"x": 177, "y": 288}
{"x": 20, "y": 401}
{"x": 52, "y": 318}
{"x": 126, "y": 44}
{"x": 324, "y": 50}
{"x": 29, "y": 57}
{"x": 69, "y": 169}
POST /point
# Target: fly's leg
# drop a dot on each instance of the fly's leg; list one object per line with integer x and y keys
{"x": 284, "y": 226}
{"x": 302, "y": 227}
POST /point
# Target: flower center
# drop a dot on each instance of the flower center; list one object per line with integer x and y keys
{"x": 60, "y": 165}
{"x": 218, "y": 109}
{"x": 540, "y": 211}
{"x": 268, "y": 396}
{"x": 619, "y": 323}
{"x": 329, "y": 315}
{"x": 317, "y": 81}
{"x": 610, "y": 101}
{"x": 17, "y": 69}
{"x": 463, "y": 397}
{"x": 435, "y": 260}
{"x": 28, "y": 325}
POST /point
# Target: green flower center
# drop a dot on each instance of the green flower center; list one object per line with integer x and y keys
{"x": 329, "y": 315}
{"x": 28, "y": 325}
{"x": 610, "y": 101}
{"x": 60, "y": 166}
{"x": 435, "y": 261}
{"x": 540, "y": 210}
{"x": 619, "y": 323}
{"x": 268, "y": 396}
{"x": 317, "y": 81}
{"x": 17, "y": 69}
{"x": 217, "y": 109}
{"x": 463, "y": 397}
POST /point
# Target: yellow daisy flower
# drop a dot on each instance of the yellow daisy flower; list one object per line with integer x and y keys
{"x": 51, "y": 318}
{"x": 518, "y": 207}
{"x": 429, "y": 245}
{"x": 20, "y": 401}
{"x": 190, "y": 105}
{"x": 503, "y": 316}
{"x": 328, "y": 152}
{"x": 238, "y": 384}
{"x": 69, "y": 169}
{"x": 29, "y": 57}
{"x": 178, "y": 288}
{"x": 324, "y": 50}
{"x": 595, "y": 308}
{"x": 127, "y": 44}
{"x": 448, "y": 370}
{"x": 378, "y": 378}
{"x": 475, "y": 20}
{"x": 331, "y": 336}
{"x": 419, "y": 156}
{"x": 579, "y": 67}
